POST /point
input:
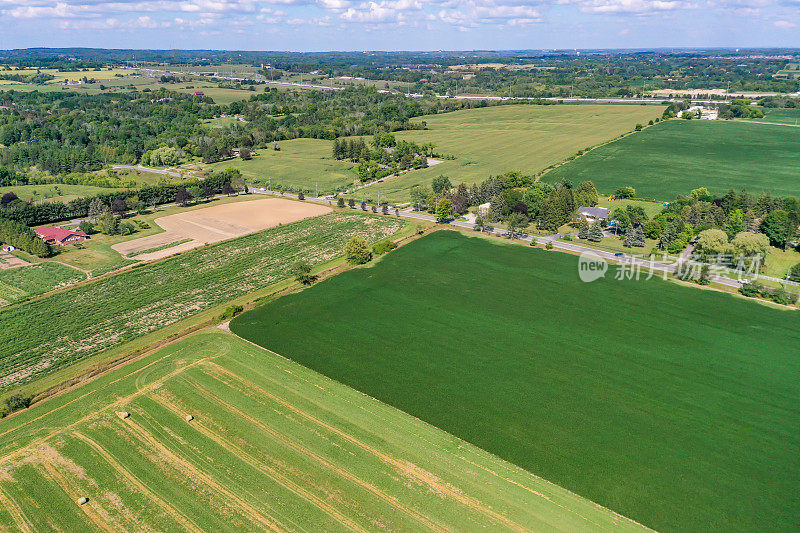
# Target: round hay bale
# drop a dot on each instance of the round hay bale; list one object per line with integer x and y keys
{"x": 123, "y": 414}
{"x": 189, "y": 418}
{"x": 82, "y": 500}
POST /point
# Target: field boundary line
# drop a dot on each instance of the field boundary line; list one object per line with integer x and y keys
{"x": 400, "y": 465}
{"x": 392, "y": 500}
{"x": 16, "y": 513}
{"x": 185, "y": 521}
{"x": 264, "y": 468}
{"x": 248, "y": 509}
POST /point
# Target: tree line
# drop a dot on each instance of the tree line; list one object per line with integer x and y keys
{"x": 48, "y": 212}
{"x": 21, "y": 236}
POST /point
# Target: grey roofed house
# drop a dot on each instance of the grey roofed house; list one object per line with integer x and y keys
{"x": 594, "y": 213}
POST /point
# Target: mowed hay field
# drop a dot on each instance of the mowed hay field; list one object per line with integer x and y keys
{"x": 674, "y": 406}
{"x": 217, "y": 223}
{"x": 676, "y": 156}
{"x": 271, "y": 446}
{"x": 40, "y": 336}
{"x": 528, "y": 138}
{"x": 305, "y": 163}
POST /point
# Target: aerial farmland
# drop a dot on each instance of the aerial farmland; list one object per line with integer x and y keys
{"x": 533, "y": 290}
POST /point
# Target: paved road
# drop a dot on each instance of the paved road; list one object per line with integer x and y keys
{"x": 629, "y": 261}
{"x": 147, "y": 169}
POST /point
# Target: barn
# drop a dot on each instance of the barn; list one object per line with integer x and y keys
{"x": 60, "y": 236}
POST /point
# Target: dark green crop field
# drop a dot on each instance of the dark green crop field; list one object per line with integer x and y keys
{"x": 677, "y": 156}
{"x": 677, "y": 407}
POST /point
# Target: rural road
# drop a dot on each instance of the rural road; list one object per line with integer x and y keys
{"x": 629, "y": 261}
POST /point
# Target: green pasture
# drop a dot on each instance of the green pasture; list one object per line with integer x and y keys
{"x": 299, "y": 163}
{"x": 271, "y": 445}
{"x": 53, "y": 192}
{"x": 527, "y": 138}
{"x": 676, "y": 156}
{"x": 23, "y": 282}
{"x": 779, "y": 115}
{"x": 651, "y": 209}
{"x": 674, "y": 406}
{"x": 113, "y": 310}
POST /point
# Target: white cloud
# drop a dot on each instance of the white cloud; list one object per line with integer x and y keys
{"x": 784, "y": 24}
{"x": 633, "y": 6}
{"x": 473, "y": 14}
{"x": 384, "y": 11}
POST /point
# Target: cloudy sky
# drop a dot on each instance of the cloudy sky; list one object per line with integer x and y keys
{"x": 398, "y": 24}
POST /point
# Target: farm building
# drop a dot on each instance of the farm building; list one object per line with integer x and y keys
{"x": 8, "y": 248}
{"x": 60, "y": 236}
{"x": 592, "y": 214}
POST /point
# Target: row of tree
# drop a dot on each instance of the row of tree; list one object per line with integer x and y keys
{"x": 225, "y": 182}
{"x": 21, "y": 236}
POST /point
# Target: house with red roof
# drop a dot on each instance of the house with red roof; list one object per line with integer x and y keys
{"x": 60, "y": 236}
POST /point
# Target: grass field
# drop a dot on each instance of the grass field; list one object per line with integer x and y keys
{"x": 272, "y": 445}
{"x": 780, "y": 115}
{"x": 527, "y": 138}
{"x": 221, "y": 96}
{"x": 53, "y": 192}
{"x": 299, "y": 163}
{"x": 674, "y": 406}
{"x": 651, "y": 209}
{"x": 23, "y": 282}
{"x": 96, "y": 316}
{"x": 677, "y": 156}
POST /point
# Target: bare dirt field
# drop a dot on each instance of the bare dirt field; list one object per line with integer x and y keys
{"x": 218, "y": 223}
{"x": 10, "y": 261}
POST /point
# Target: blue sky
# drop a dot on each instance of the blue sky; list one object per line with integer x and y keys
{"x": 306, "y": 25}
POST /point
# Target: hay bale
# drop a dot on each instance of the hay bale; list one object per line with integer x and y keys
{"x": 189, "y": 418}
{"x": 82, "y": 500}
{"x": 123, "y": 414}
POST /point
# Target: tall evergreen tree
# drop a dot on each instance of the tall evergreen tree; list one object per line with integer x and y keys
{"x": 635, "y": 237}
{"x": 583, "y": 230}
{"x": 595, "y": 232}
